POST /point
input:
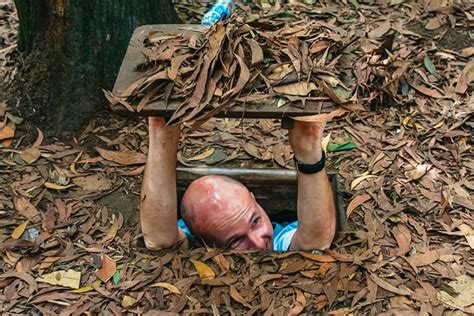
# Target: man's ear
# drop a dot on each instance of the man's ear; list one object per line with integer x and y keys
{"x": 253, "y": 196}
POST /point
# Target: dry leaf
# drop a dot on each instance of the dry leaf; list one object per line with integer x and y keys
{"x": 355, "y": 202}
{"x": 434, "y": 23}
{"x": 95, "y": 182}
{"x": 237, "y": 297}
{"x": 424, "y": 259}
{"x": 222, "y": 263}
{"x": 265, "y": 278}
{"x": 69, "y": 278}
{"x": 280, "y": 72}
{"x": 33, "y": 286}
{"x": 204, "y": 271}
{"x": 358, "y": 180}
{"x": 465, "y": 78}
{"x": 468, "y": 71}
{"x": 300, "y": 302}
{"x": 418, "y": 172}
{"x": 7, "y": 132}
{"x": 257, "y": 53}
{"x": 380, "y": 30}
{"x": 25, "y": 208}
{"x": 58, "y": 187}
{"x": 32, "y": 154}
{"x": 252, "y": 150}
{"x": 318, "y": 258}
{"x": 389, "y": 287}
{"x": 173, "y": 289}
{"x": 128, "y": 301}
{"x": 87, "y": 288}
{"x": 112, "y": 232}
{"x": 20, "y": 230}
{"x": 325, "y": 142}
{"x": 203, "y": 155}
{"x": 122, "y": 157}
{"x": 467, "y": 52}
{"x": 299, "y": 89}
{"x": 463, "y": 297}
{"x": 468, "y": 232}
{"x": 429, "y": 92}
{"x": 107, "y": 269}
{"x": 403, "y": 237}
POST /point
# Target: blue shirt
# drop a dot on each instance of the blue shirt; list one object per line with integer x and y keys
{"x": 282, "y": 234}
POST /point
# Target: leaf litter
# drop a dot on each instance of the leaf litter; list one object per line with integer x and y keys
{"x": 408, "y": 184}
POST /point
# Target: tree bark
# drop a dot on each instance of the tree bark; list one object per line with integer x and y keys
{"x": 72, "y": 50}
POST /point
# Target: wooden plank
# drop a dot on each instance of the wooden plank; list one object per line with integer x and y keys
{"x": 274, "y": 189}
{"x": 262, "y": 109}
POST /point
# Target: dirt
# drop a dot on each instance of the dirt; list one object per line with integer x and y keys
{"x": 123, "y": 202}
{"x": 445, "y": 36}
{"x": 456, "y": 40}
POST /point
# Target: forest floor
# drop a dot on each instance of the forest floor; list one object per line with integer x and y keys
{"x": 69, "y": 208}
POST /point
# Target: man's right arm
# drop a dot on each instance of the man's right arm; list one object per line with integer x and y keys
{"x": 158, "y": 203}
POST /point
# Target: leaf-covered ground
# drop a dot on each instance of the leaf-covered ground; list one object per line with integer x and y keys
{"x": 69, "y": 240}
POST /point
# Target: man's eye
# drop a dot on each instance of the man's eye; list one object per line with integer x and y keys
{"x": 255, "y": 221}
{"x": 235, "y": 242}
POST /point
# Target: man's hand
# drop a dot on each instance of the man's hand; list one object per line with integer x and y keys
{"x": 162, "y": 134}
{"x": 305, "y": 140}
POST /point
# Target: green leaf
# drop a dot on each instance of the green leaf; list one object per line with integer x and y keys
{"x": 217, "y": 156}
{"x": 342, "y": 92}
{"x": 116, "y": 277}
{"x": 405, "y": 88}
{"x": 355, "y": 4}
{"x": 15, "y": 119}
{"x": 286, "y": 14}
{"x": 395, "y": 2}
{"x": 268, "y": 60}
{"x": 281, "y": 102}
{"x": 340, "y": 147}
{"x": 429, "y": 65}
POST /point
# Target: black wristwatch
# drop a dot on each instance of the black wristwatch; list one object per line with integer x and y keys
{"x": 312, "y": 169}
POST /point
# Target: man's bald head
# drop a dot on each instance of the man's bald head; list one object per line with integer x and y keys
{"x": 214, "y": 207}
{"x": 209, "y": 193}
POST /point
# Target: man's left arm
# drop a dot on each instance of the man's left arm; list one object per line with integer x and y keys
{"x": 316, "y": 209}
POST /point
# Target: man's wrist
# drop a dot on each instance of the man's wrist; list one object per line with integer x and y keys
{"x": 311, "y": 157}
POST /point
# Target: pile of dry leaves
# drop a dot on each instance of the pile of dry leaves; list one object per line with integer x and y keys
{"x": 235, "y": 61}
{"x": 69, "y": 239}
{"x": 8, "y": 37}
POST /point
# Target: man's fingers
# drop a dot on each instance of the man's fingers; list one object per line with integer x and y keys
{"x": 156, "y": 121}
{"x": 322, "y": 118}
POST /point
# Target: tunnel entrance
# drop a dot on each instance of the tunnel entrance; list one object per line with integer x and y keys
{"x": 274, "y": 189}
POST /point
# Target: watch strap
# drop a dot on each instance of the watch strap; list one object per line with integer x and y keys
{"x": 314, "y": 168}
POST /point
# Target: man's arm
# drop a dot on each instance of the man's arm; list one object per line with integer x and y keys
{"x": 316, "y": 209}
{"x": 158, "y": 204}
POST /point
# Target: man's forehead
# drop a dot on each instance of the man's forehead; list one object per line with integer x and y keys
{"x": 229, "y": 221}
{"x": 224, "y": 234}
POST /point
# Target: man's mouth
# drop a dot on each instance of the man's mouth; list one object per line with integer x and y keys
{"x": 268, "y": 244}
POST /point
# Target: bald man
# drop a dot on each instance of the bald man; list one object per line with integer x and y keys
{"x": 220, "y": 212}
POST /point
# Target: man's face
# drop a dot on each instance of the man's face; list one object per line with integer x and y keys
{"x": 242, "y": 225}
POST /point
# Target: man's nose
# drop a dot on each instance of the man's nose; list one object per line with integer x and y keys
{"x": 256, "y": 241}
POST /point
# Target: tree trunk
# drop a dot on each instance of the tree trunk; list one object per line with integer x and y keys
{"x": 73, "y": 49}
